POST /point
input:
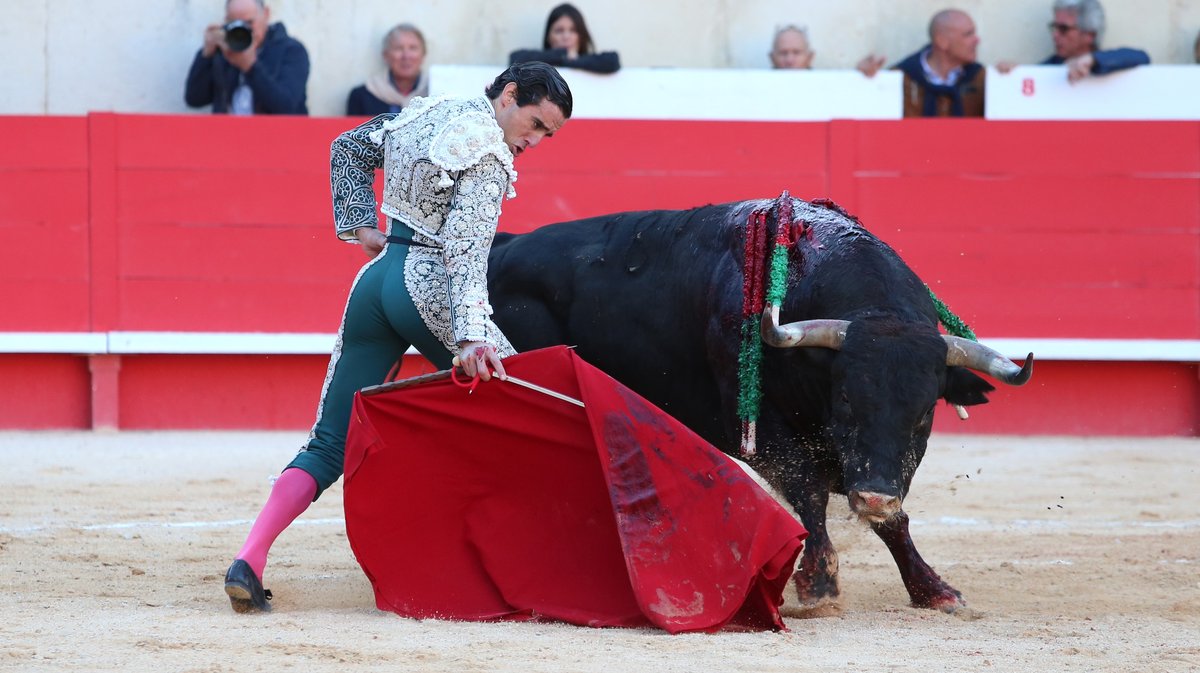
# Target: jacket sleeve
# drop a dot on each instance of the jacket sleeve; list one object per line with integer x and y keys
{"x": 353, "y": 158}
{"x": 604, "y": 63}
{"x": 198, "y": 91}
{"x": 282, "y": 90}
{"x": 550, "y": 56}
{"x": 1112, "y": 60}
{"x": 467, "y": 238}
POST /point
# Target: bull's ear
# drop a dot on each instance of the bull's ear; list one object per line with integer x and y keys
{"x": 965, "y": 388}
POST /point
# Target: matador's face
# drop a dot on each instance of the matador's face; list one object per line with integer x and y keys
{"x": 525, "y": 126}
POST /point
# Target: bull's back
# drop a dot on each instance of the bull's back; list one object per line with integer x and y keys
{"x": 635, "y": 293}
{"x": 624, "y": 273}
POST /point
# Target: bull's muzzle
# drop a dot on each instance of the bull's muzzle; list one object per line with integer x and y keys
{"x": 874, "y": 507}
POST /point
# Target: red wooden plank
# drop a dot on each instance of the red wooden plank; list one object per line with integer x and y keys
{"x": 655, "y": 147}
{"x": 223, "y": 143}
{"x": 843, "y": 157}
{"x": 283, "y": 197}
{"x": 39, "y": 198}
{"x": 103, "y": 235}
{"x": 44, "y": 250}
{"x": 228, "y": 392}
{"x": 1071, "y": 148}
{"x": 260, "y": 392}
{"x": 1031, "y": 203}
{"x": 996, "y": 310}
{"x": 213, "y": 305}
{"x": 54, "y": 392}
{"x": 569, "y": 197}
{"x": 227, "y": 142}
{"x": 1122, "y": 259}
{"x": 1144, "y": 399}
{"x": 303, "y": 253}
{"x": 43, "y": 143}
{"x": 44, "y": 305}
{"x": 44, "y": 225}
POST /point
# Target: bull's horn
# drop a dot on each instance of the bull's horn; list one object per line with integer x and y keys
{"x": 973, "y": 355}
{"x": 804, "y": 333}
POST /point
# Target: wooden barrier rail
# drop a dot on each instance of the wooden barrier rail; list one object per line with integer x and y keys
{"x": 1083, "y": 233}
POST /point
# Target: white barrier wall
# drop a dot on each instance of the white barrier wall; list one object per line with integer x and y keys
{"x": 678, "y": 93}
{"x": 1159, "y": 92}
{"x": 74, "y": 56}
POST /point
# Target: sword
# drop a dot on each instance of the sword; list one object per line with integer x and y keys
{"x": 545, "y": 391}
{"x": 532, "y": 386}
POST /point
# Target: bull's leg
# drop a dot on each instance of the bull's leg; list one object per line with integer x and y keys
{"x": 925, "y": 587}
{"x": 816, "y": 576}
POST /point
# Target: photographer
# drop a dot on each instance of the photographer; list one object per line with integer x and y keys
{"x": 248, "y": 66}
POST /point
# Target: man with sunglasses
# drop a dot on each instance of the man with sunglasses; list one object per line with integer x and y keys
{"x": 1076, "y": 30}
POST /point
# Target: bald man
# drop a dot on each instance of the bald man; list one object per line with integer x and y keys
{"x": 267, "y": 76}
{"x": 942, "y": 79}
{"x": 790, "y": 50}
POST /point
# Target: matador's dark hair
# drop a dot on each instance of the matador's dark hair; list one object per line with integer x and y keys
{"x": 536, "y": 81}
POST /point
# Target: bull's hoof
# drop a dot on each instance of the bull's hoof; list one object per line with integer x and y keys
{"x": 947, "y": 600}
{"x": 814, "y": 594}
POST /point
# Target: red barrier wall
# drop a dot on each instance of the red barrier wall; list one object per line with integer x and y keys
{"x": 44, "y": 218}
{"x": 206, "y": 224}
{"x": 1063, "y": 229}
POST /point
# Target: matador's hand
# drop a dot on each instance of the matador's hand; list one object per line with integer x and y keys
{"x": 480, "y": 358}
{"x": 372, "y": 240}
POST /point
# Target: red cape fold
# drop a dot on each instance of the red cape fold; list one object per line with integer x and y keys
{"x": 508, "y": 503}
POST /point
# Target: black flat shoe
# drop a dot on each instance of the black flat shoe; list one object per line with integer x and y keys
{"x": 246, "y": 592}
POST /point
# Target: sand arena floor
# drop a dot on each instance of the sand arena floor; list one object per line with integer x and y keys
{"x": 1073, "y": 555}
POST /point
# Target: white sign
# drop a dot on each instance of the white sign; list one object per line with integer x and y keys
{"x": 1042, "y": 92}
{"x": 692, "y": 94}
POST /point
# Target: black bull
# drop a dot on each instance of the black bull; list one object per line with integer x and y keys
{"x": 655, "y": 300}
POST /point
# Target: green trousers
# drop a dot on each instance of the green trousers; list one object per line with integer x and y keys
{"x": 379, "y": 325}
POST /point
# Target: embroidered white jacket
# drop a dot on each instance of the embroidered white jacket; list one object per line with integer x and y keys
{"x": 446, "y": 173}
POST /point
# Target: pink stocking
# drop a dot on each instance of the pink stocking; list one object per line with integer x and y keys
{"x": 292, "y": 494}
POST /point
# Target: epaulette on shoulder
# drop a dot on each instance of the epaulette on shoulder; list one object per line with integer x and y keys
{"x": 466, "y": 139}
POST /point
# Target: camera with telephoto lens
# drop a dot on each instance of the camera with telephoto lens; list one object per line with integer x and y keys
{"x": 238, "y": 36}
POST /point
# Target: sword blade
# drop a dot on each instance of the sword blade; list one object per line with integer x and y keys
{"x": 544, "y": 391}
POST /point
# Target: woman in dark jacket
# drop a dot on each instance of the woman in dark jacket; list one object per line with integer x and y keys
{"x": 568, "y": 44}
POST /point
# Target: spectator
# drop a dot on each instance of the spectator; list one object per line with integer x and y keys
{"x": 1076, "y": 30}
{"x": 567, "y": 43}
{"x": 790, "y": 50}
{"x": 253, "y": 68}
{"x": 404, "y": 53}
{"x": 1196, "y": 48}
{"x": 942, "y": 79}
